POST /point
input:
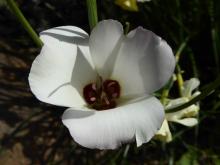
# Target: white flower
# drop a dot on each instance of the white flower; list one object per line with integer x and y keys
{"x": 104, "y": 71}
{"x": 186, "y": 116}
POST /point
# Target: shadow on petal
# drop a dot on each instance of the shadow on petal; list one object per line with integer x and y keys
{"x": 73, "y": 31}
{"x": 56, "y": 89}
{"x": 75, "y": 114}
{"x": 110, "y": 62}
{"x": 82, "y": 40}
{"x": 82, "y": 74}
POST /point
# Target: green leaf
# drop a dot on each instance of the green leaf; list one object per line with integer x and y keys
{"x": 188, "y": 158}
{"x": 216, "y": 160}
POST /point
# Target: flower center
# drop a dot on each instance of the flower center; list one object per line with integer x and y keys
{"x": 103, "y": 96}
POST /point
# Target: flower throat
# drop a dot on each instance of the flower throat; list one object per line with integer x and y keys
{"x": 103, "y": 96}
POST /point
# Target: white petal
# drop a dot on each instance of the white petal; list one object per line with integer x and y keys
{"x": 144, "y": 63}
{"x": 190, "y": 111}
{"x": 56, "y": 77}
{"x": 189, "y": 86}
{"x": 196, "y": 93}
{"x": 104, "y": 42}
{"x": 64, "y": 39}
{"x": 68, "y": 34}
{"x": 190, "y": 122}
{"x": 176, "y": 102}
{"x": 185, "y": 116}
{"x": 109, "y": 129}
{"x": 164, "y": 133}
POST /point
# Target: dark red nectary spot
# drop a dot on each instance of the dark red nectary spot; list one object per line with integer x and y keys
{"x": 111, "y": 88}
{"x": 103, "y": 97}
{"x": 90, "y": 93}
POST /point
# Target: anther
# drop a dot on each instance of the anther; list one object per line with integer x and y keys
{"x": 111, "y": 88}
{"x": 90, "y": 93}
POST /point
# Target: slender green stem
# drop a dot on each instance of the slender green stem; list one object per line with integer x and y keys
{"x": 204, "y": 92}
{"x": 180, "y": 49}
{"x": 92, "y": 13}
{"x": 193, "y": 64}
{"x": 179, "y": 79}
{"x": 127, "y": 27}
{"x": 215, "y": 48}
{"x": 179, "y": 16}
{"x": 17, "y": 12}
{"x": 164, "y": 95}
{"x": 214, "y": 35}
{"x": 166, "y": 90}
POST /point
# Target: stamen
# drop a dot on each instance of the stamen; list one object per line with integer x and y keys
{"x": 90, "y": 94}
{"x": 112, "y": 88}
{"x": 94, "y": 87}
{"x": 106, "y": 100}
{"x": 92, "y": 99}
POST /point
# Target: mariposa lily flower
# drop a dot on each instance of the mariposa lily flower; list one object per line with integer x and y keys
{"x": 106, "y": 79}
{"x": 186, "y": 116}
